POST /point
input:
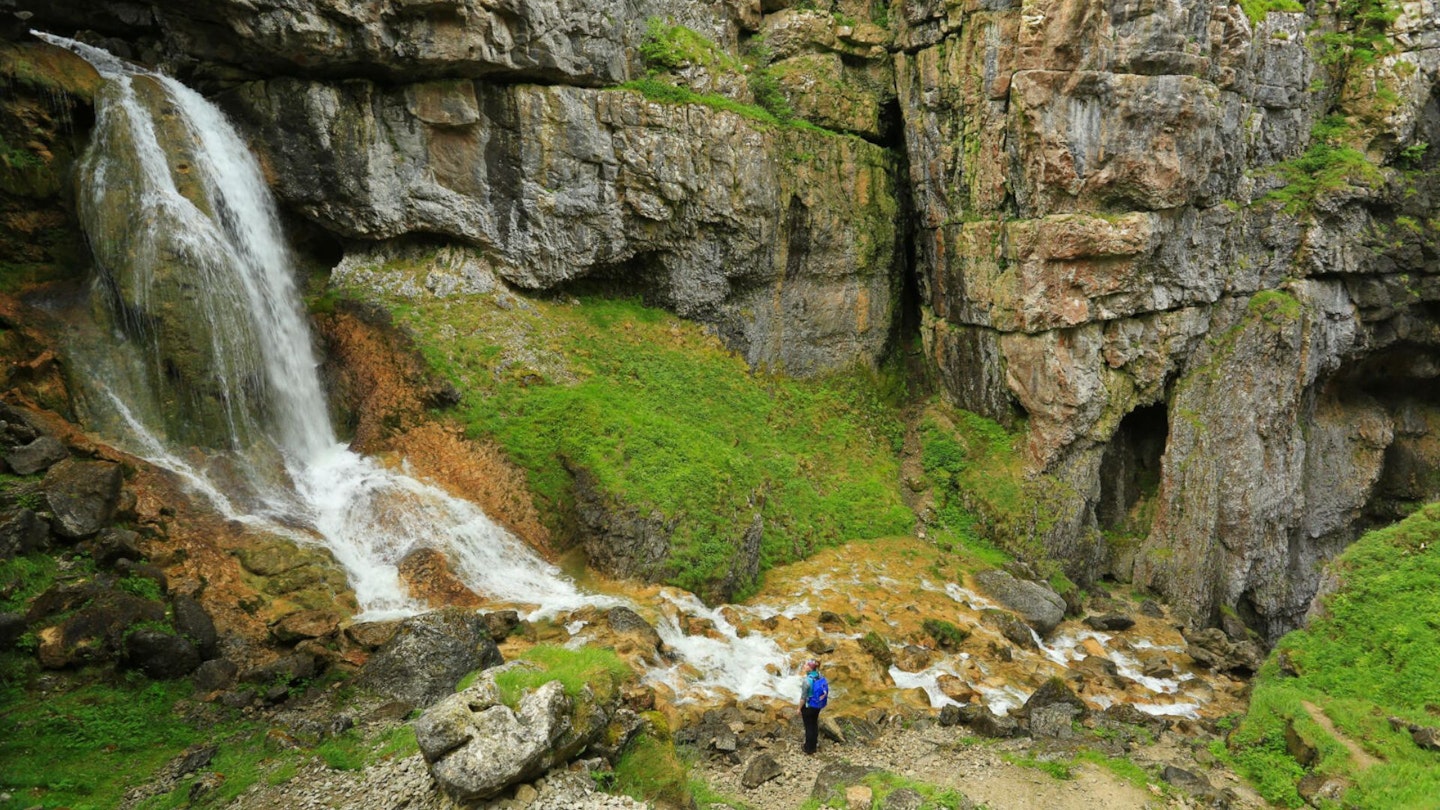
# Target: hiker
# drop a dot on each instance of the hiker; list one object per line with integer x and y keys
{"x": 813, "y": 697}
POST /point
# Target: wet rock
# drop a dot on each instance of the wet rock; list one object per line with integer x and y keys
{"x": 1011, "y": 627}
{"x": 214, "y": 675}
{"x": 476, "y": 746}
{"x": 304, "y": 624}
{"x": 912, "y": 658}
{"x": 428, "y": 577}
{"x": 1037, "y": 604}
{"x": 760, "y": 769}
{"x": 876, "y": 647}
{"x": 370, "y": 635}
{"x": 501, "y": 623}
{"x": 428, "y": 655}
{"x": 820, "y": 646}
{"x": 192, "y": 621}
{"x": 82, "y": 495}
{"x": 956, "y": 688}
{"x": 21, "y": 532}
{"x": 36, "y": 456}
{"x": 949, "y": 715}
{"x": 626, "y": 621}
{"x": 1110, "y": 622}
{"x": 1052, "y": 692}
{"x": 159, "y": 654}
{"x": 986, "y": 723}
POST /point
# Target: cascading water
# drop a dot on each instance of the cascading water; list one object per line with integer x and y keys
{"x": 212, "y": 351}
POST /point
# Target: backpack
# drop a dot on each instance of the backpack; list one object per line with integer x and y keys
{"x": 819, "y": 692}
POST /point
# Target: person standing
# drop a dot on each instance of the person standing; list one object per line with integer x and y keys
{"x": 814, "y": 695}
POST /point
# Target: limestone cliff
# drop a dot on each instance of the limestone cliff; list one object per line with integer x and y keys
{"x": 1190, "y": 247}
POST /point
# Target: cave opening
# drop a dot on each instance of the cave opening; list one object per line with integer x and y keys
{"x": 1130, "y": 466}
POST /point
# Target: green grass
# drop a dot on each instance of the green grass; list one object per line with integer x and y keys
{"x": 1056, "y": 769}
{"x": 1375, "y": 654}
{"x": 1323, "y": 169}
{"x": 883, "y": 783}
{"x": 25, "y": 577}
{"x": 597, "y": 667}
{"x": 82, "y": 749}
{"x": 670, "y": 47}
{"x": 1256, "y": 10}
{"x": 669, "y": 423}
{"x": 652, "y": 770}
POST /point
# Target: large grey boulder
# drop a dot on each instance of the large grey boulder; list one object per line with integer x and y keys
{"x": 83, "y": 495}
{"x": 36, "y": 456}
{"x": 429, "y": 654}
{"x": 1037, "y": 604}
{"x": 22, "y": 532}
{"x": 476, "y": 746}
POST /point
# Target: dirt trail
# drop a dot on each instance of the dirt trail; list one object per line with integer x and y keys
{"x": 1363, "y": 759}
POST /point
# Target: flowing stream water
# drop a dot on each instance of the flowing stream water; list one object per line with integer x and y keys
{"x": 183, "y": 227}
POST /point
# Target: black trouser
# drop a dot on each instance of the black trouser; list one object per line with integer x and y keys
{"x": 812, "y": 727}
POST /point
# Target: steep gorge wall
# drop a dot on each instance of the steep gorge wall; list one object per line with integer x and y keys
{"x": 1191, "y": 252}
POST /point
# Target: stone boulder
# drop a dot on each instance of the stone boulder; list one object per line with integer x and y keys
{"x": 192, "y": 621}
{"x": 1110, "y": 622}
{"x": 1052, "y": 692}
{"x": 428, "y": 577}
{"x": 94, "y": 624}
{"x": 113, "y": 544}
{"x": 477, "y": 746}
{"x": 21, "y": 532}
{"x": 1015, "y": 630}
{"x": 429, "y": 654}
{"x": 835, "y": 777}
{"x": 160, "y": 654}
{"x": 760, "y": 769}
{"x": 83, "y": 495}
{"x": 37, "y": 456}
{"x": 1037, "y": 604}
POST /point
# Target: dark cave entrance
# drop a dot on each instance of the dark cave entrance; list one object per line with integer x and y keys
{"x": 1130, "y": 466}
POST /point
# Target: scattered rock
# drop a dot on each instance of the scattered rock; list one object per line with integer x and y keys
{"x": 761, "y": 769}
{"x": 111, "y": 545}
{"x": 1192, "y": 783}
{"x": 1055, "y": 720}
{"x": 1426, "y": 737}
{"x": 1322, "y": 789}
{"x": 902, "y": 799}
{"x": 1011, "y": 627}
{"x": 912, "y": 658}
{"x": 286, "y": 670}
{"x": 214, "y": 675}
{"x": 502, "y": 623}
{"x": 22, "y": 532}
{"x": 859, "y": 797}
{"x": 192, "y": 621}
{"x": 1212, "y": 649}
{"x": 835, "y": 777}
{"x": 1053, "y": 691}
{"x": 1110, "y": 622}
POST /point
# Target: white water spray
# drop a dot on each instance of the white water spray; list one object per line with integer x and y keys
{"x": 224, "y": 228}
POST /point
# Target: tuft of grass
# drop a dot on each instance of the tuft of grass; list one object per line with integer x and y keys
{"x": 1257, "y": 10}
{"x": 946, "y": 634}
{"x": 1055, "y": 768}
{"x": 597, "y": 667}
{"x": 25, "y": 577}
{"x": 667, "y": 422}
{"x": 652, "y": 770}
{"x": 1374, "y": 654}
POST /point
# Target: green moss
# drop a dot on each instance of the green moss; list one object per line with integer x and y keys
{"x": 983, "y": 497}
{"x": 1374, "y": 654}
{"x": 671, "y": 47}
{"x": 667, "y": 422}
{"x": 1275, "y": 307}
{"x": 1257, "y": 10}
{"x": 1323, "y": 169}
{"x": 947, "y": 635}
{"x": 25, "y": 577}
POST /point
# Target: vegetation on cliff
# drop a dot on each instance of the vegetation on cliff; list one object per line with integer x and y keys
{"x": 667, "y": 421}
{"x": 1322, "y": 703}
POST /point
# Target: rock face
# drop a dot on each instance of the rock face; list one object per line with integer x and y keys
{"x": 1191, "y": 252}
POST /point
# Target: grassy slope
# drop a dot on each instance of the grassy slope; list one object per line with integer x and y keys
{"x": 1376, "y": 654}
{"x": 670, "y": 422}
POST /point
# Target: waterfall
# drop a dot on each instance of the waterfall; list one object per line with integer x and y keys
{"x": 210, "y": 372}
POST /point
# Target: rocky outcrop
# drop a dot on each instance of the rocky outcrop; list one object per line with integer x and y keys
{"x": 1190, "y": 251}
{"x": 476, "y": 746}
{"x": 429, "y": 654}
{"x": 1037, "y": 604}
